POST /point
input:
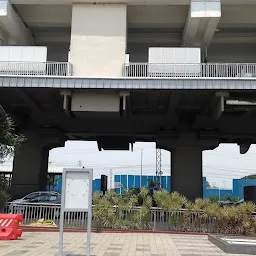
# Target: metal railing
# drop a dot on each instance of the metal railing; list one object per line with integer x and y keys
{"x": 190, "y": 70}
{"x": 158, "y": 219}
{"x": 36, "y": 68}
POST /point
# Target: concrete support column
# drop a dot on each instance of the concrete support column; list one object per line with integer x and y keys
{"x": 30, "y": 165}
{"x": 98, "y": 39}
{"x": 186, "y": 171}
{"x": 202, "y": 22}
{"x": 186, "y": 161}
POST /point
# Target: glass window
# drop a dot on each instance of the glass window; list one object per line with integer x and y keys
{"x": 43, "y": 198}
{"x": 53, "y": 198}
{"x": 31, "y": 196}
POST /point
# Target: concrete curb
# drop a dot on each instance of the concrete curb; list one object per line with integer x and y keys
{"x": 95, "y": 230}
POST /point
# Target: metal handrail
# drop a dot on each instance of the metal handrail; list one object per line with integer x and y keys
{"x": 19, "y": 68}
{"x": 158, "y": 218}
{"x": 209, "y": 70}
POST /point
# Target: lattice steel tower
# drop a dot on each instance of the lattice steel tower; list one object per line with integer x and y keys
{"x": 159, "y": 166}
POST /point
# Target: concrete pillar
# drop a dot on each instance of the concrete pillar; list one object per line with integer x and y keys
{"x": 98, "y": 39}
{"x": 186, "y": 171}
{"x": 186, "y": 161}
{"x": 30, "y": 165}
{"x": 202, "y": 22}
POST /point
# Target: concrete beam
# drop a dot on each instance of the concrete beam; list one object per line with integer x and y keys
{"x": 203, "y": 19}
{"x": 219, "y": 108}
{"x": 102, "y": 46}
{"x": 244, "y": 148}
{"x": 13, "y": 26}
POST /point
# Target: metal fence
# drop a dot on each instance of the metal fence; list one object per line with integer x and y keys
{"x": 190, "y": 70}
{"x": 158, "y": 219}
{"x": 36, "y": 68}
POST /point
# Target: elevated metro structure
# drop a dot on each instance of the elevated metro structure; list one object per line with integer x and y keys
{"x": 90, "y": 90}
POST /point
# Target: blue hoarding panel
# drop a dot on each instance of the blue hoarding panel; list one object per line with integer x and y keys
{"x": 144, "y": 181}
{"x": 124, "y": 181}
{"x": 204, "y": 183}
{"x": 131, "y": 183}
{"x": 96, "y": 185}
{"x": 168, "y": 188}
{"x": 211, "y": 192}
{"x": 239, "y": 184}
{"x": 118, "y": 180}
{"x": 225, "y": 192}
{"x": 150, "y": 178}
{"x": 137, "y": 181}
{"x": 163, "y": 182}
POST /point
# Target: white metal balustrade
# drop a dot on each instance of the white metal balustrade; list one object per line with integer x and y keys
{"x": 158, "y": 218}
{"x": 209, "y": 70}
{"x": 35, "y": 68}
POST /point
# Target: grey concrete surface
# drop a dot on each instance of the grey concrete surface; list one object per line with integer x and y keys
{"x": 235, "y": 245}
{"x": 107, "y": 244}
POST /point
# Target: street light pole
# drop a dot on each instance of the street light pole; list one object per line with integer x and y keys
{"x": 141, "y": 163}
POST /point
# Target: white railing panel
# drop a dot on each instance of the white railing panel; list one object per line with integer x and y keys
{"x": 190, "y": 70}
{"x": 36, "y": 68}
{"x": 158, "y": 219}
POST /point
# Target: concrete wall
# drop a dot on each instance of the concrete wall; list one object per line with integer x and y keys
{"x": 231, "y": 52}
{"x": 57, "y": 53}
{"x": 98, "y": 39}
{"x": 238, "y": 186}
{"x": 95, "y": 102}
{"x": 223, "y": 53}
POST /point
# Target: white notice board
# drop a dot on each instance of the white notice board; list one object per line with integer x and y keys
{"x": 77, "y": 189}
{"x": 76, "y": 196}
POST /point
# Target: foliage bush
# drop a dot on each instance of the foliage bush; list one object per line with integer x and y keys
{"x": 121, "y": 211}
{"x": 3, "y": 198}
{"x": 10, "y": 141}
{"x": 176, "y": 213}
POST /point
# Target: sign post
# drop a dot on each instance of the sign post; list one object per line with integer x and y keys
{"x": 76, "y": 196}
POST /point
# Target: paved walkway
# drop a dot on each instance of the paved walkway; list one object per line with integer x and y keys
{"x": 111, "y": 244}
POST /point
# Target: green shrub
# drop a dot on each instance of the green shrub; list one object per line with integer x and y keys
{"x": 121, "y": 212}
{"x": 169, "y": 201}
{"x": 3, "y": 197}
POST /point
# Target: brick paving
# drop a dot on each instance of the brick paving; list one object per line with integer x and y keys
{"x": 111, "y": 244}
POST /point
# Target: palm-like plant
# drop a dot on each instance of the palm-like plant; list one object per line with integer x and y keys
{"x": 121, "y": 212}
{"x": 169, "y": 202}
{"x": 103, "y": 210}
{"x": 10, "y": 141}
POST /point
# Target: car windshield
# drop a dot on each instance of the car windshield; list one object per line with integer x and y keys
{"x": 31, "y": 196}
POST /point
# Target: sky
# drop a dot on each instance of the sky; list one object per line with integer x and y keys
{"x": 220, "y": 166}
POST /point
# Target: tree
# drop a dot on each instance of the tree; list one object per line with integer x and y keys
{"x": 249, "y": 177}
{"x": 213, "y": 199}
{"x": 208, "y": 185}
{"x": 10, "y": 141}
{"x": 231, "y": 199}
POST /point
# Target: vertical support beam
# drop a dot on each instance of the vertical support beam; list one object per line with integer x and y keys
{"x": 186, "y": 161}
{"x": 186, "y": 171}
{"x": 29, "y": 168}
{"x": 98, "y": 49}
{"x": 30, "y": 164}
{"x": 202, "y": 22}
{"x": 13, "y": 26}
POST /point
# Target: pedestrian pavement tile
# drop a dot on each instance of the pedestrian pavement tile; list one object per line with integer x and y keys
{"x": 111, "y": 244}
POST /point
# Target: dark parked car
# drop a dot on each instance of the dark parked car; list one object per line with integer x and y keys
{"x": 42, "y": 201}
